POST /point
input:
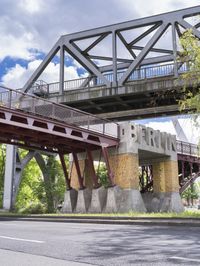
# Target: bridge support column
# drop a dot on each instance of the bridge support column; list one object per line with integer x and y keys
{"x": 166, "y": 196}
{"x": 9, "y": 175}
{"x": 126, "y": 196}
{"x": 86, "y": 172}
{"x": 13, "y": 173}
{"x": 126, "y": 170}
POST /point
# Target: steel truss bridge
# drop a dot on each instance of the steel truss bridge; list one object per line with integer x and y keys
{"x": 132, "y": 72}
{"x": 133, "y": 67}
{"x": 34, "y": 123}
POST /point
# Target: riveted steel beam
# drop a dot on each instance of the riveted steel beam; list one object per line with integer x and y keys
{"x": 42, "y": 66}
{"x": 157, "y": 25}
{"x": 143, "y": 53}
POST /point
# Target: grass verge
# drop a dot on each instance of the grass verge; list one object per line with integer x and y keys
{"x": 185, "y": 214}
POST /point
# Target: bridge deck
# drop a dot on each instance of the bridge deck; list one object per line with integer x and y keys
{"x": 148, "y": 91}
{"x": 32, "y": 122}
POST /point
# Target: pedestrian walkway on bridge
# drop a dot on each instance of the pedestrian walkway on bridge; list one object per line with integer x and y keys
{"x": 133, "y": 68}
{"x": 38, "y": 124}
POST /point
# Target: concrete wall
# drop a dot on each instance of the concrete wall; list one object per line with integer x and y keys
{"x": 138, "y": 145}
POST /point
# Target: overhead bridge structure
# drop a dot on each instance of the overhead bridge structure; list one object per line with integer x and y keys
{"x": 35, "y": 123}
{"x": 133, "y": 68}
{"x": 130, "y": 70}
{"x": 38, "y": 124}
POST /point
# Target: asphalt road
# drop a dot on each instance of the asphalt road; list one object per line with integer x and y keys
{"x": 24, "y": 243}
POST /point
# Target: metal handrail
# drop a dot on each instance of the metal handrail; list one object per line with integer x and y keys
{"x": 14, "y": 99}
{"x": 187, "y": 148}
{"x": 142, "y": 73}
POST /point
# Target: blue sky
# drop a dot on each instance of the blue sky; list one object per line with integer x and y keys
{"x": 29, "y": 29}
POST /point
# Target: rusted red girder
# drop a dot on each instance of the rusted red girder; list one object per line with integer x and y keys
{"x": 27, "y": 130}
{"x": 188, "y": 158}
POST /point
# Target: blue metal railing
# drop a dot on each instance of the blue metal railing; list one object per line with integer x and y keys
{"x": 92, "y": 81}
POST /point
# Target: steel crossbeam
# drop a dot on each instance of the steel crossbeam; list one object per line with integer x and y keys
{"x": 122, "y": 38}
{"x": 28, "y": 121}
{"x": 28, "y": 130}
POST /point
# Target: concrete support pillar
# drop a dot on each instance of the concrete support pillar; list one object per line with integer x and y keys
{"x": 126, "y": 196}
{"x": 166, "y": 197}
{"x": 80, "y": 199}
{"x": 70, "y": 201}
{"x": 85, "y": 172}
{"x": 126, "y": 170}
{"x": 98, "y": 200}
{"x": 13, "y": 173}
{"x": 83, "y": 200}
{"x": 165, "y": 176}
{"x": 9, "y": 175}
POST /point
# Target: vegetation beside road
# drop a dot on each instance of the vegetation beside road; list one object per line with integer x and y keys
{"x": 191, "y": 53}
{"x": 193, "y": 213}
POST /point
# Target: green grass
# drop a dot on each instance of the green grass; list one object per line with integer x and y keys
{"x": 185, "y": 214}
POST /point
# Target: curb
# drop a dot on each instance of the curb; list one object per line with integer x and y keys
{"x": 108, "y": 220}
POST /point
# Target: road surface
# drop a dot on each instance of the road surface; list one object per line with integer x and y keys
{"x": 24, "y": 243}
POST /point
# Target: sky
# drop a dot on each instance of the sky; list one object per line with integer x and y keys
{"x": 30, "y": 28}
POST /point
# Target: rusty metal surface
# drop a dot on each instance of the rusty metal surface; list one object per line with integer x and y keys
{"x": 16, "y": 100}
{"x": 31, "y": 122}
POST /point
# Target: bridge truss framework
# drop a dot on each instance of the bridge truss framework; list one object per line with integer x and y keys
{"x": 130, "y": 45}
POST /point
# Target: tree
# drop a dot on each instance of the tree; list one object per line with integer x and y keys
{"x": 31, "y": 194}
{"x": 41, "y": 191}
{"x": 55, "y": 183}
{"x": 102, "y": 174}
{"x": 191, "y": 54}
{"x": 191, "y": 193}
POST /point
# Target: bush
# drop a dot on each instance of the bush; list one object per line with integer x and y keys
{"x": 34, "y": 208}
{"x": 103, "y": 175}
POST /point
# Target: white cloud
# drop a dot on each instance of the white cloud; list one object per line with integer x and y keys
{"x": 190, "y": 129}
{"x": 17, "y": 76}
{"x": 16, "y": 40}
{"x": 31, "y": 6}
{"x": 144, "y": 9}
{"x": 29, "y": 25}
{"x": 38, "y": 24}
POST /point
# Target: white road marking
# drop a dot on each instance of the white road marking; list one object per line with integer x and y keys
{"x": 22, "y": 239}
{"x": 9, "y": 224}
{"x": 185, "y": 259}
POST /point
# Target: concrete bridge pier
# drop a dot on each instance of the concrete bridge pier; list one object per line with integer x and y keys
{"x": 125, "y": 197}
{"x": 166, "y": 197}
{"x": 139, "y": 145}
{"x": 13, "y": 172}
{"x": 9, "y": 175}
{"x": 84, "y": 194}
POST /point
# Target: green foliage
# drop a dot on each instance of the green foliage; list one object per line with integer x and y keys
{"x": 31, "y": 190}
{"x": 55, "y": 184}
{"x": 103, "y": 175}
{"x": 33, "y": 208}
{"x": 38, "y": 193}
{"x": 191, "y": 193}
{"x": 191, "y": 53}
